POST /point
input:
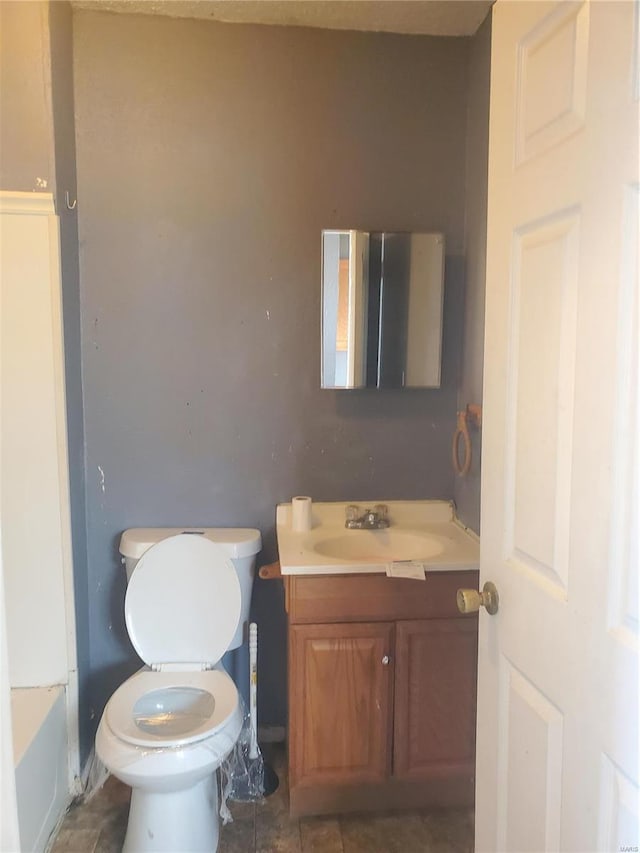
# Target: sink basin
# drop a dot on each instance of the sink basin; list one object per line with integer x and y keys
{"x": 373, "y": 545}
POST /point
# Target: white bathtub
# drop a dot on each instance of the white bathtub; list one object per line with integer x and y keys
{"x": 40, "y": 752}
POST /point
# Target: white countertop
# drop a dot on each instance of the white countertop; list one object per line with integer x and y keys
{"x": 425, "y": 531}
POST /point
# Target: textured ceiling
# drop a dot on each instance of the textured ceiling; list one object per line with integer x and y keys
{"x": 427, "y": 17}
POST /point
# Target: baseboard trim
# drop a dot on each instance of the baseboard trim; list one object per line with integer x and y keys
{"x": 272, "y": 734}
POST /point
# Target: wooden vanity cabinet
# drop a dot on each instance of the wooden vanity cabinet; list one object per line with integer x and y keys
{"x": 342, "y": 701}
{"x": 382, "y": 693}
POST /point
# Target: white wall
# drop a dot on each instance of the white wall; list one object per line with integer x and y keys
{"x": 33, "y": 477}
{"x": 9, "y": 839}
{"x": 37, "y": 610}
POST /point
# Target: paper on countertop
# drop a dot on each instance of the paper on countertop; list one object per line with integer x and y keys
{"x": 412, "y": 569}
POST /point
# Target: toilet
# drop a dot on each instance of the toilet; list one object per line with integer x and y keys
{"x": 167, "y": 729}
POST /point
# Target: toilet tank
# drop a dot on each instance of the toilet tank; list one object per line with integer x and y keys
{"x": 241, "y": 545}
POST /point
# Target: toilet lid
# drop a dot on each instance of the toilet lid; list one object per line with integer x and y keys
{"x": 183, "y": 602}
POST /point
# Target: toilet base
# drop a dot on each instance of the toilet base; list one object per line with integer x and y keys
{"x": 185, "y": 820}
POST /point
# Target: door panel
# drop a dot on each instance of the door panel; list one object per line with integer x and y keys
{"x": 557, "y": 748}
{"x": 434, "y": 703}
{"x": 552, "y": 79}
{"x": 541, "y": 353}
{"x": 340, "y": 703}
{"x": 530, "y": 725}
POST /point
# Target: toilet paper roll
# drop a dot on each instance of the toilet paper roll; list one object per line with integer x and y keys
{"x": 300, "y": 514}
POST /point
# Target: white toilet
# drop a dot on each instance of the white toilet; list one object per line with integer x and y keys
{"x": 167, "y": 729}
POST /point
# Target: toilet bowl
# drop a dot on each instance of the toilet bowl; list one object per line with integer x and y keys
{"x": 167, "y": 729}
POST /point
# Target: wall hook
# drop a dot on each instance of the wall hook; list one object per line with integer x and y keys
{"x": 68, "y": 203}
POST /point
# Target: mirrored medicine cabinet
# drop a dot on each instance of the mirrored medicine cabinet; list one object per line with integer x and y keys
{"x": 382, "y": 297}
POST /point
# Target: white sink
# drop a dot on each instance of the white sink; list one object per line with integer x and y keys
{"x": 375, "y": 545}
{"x": 426, "y": 531}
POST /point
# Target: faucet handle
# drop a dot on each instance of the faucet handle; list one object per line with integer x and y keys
{"x": 382, "y": 511}
{"x": 352, "y": 512}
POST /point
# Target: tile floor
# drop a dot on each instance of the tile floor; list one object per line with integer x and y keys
{"x": 99, "y": 827}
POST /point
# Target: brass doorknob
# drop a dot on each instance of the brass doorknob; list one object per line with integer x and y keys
{"x": 470, "y": 600}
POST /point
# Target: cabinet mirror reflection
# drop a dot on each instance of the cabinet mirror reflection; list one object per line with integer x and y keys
{"x": 382, "y": 295}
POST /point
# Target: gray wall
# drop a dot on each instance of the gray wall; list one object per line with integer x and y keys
{"x": 210, "y": 157}
{"x": 467, "y": 489}
{"x": 61, "y": 56}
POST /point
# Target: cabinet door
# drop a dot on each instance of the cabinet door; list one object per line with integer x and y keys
{"x": 339, "y": 702}
{"x": 435, "y": 697}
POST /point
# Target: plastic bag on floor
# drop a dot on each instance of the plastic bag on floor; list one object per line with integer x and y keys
{"x": 95, "y": 778}
{"x": 242, "y": 771}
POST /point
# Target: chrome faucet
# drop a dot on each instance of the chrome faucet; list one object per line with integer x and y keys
{"x": 371, "y": 519}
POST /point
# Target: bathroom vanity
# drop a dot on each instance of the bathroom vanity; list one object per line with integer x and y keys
{"x": 382, "y": 670}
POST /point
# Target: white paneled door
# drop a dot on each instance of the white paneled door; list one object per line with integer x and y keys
{"x": 557, "y": 741}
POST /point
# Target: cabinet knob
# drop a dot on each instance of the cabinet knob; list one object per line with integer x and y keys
{"x": 386, "y": 660}
{"x": 470, "y": 600}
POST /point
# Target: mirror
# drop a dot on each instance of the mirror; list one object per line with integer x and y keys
{"x": 382, "y": 296}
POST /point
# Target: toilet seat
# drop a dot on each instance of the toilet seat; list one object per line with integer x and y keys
{"x": 189, "y": 706}
{"x": 181, "y": 610}
{"x": 182, "y": 604}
